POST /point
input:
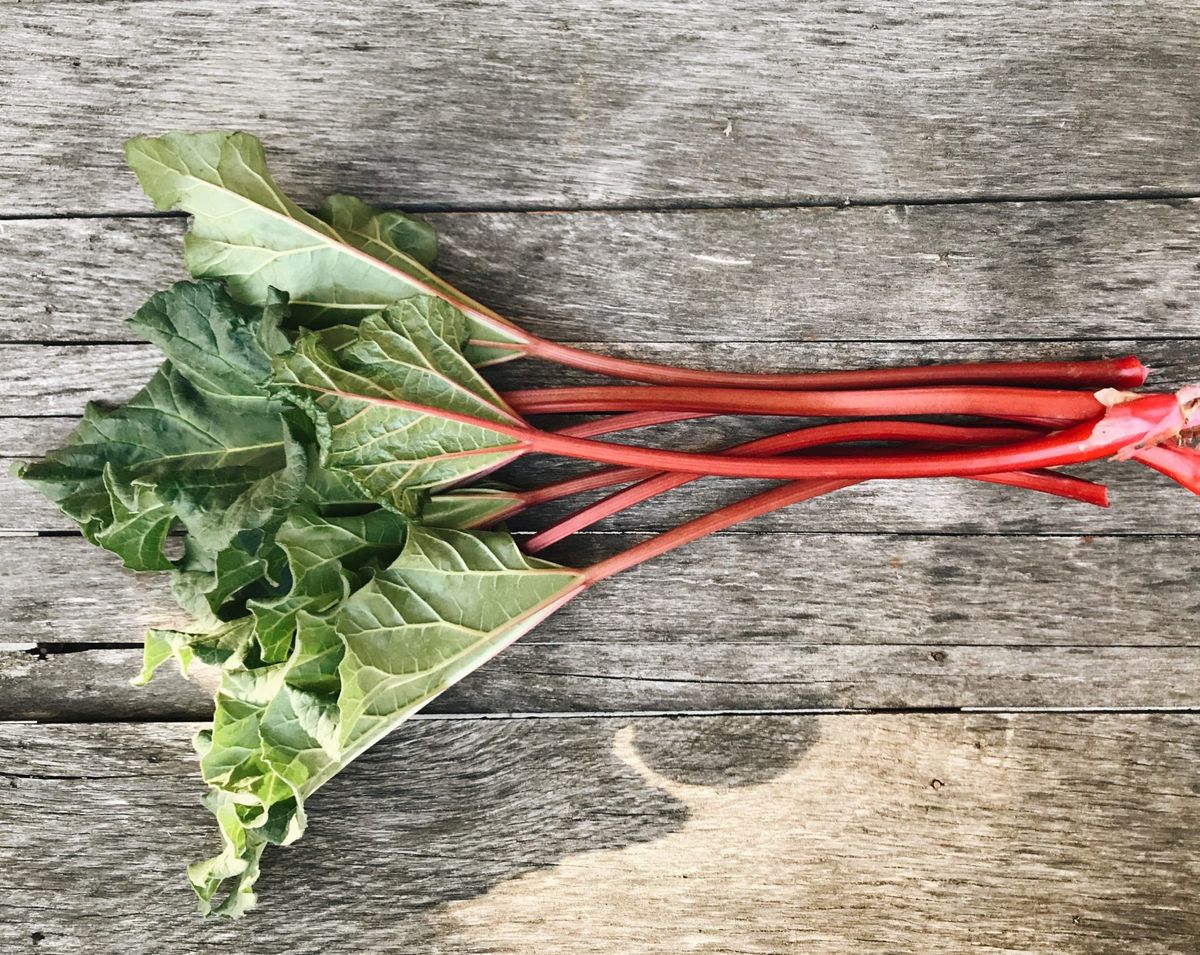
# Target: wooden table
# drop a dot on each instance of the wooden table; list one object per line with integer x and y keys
{"x": 928, "y": 718}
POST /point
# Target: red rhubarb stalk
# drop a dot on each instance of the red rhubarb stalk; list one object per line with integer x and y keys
{"x": 1180, "y": 463}
{"x": 1121, "y": 429}
{"x": 1126, "y": 372}
{"x": 772, "y": 444}
{"x": 986, "y": 400}
{"x": 1047, "y": 481}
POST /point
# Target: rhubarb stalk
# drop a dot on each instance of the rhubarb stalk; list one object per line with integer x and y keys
{"x": 654, "y": 485}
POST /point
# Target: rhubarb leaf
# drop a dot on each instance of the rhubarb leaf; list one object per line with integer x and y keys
{"x": 206, "y": 582}
{"x": 325, "y": 557}
{"x": 202, "y": 444}
{"x": 468, "y": 508}
{"x": 387, "y": 236}
{"x": 139, "y": 523}
{"x": 451, "y": 601}
{"x": 367, "y": 390}
{"x": 177, "y": 440}
{"x": 218, "y": 344}
{"x": 346, "y": 262}
{"x": 370, "y": 659}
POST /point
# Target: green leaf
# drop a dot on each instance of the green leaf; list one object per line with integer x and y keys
{"x": 212, "y": 460}
{"x": 351, "y": 383}
{"x": 390, "y": 237}
{"x": 238, "y": 860}
{"x": 325, "y": 557}
{"x": 338, "y": 266}
{"x": 357, "y": 669}
{"x": 161, "y": 646}
{"x": 225, "y": 646}
{"x": 450, "y": 602}
{"x": 469, "y": 508}
{"x": 218, "y": 344}
{"x": 202, "y": 444}
{"x": 254, "y": 806}
{"x": 205, "y": 581}
{"x": 139, "y": 525}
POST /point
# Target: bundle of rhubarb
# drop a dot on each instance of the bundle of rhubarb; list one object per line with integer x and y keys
{"x": 315, "y": 454}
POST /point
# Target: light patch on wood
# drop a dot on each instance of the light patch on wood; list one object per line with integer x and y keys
{"x": 874, "y": 830}
{"x": 931, "y": 834}
{"x": 720, "y": 259}
{"x": 206, "y": 677}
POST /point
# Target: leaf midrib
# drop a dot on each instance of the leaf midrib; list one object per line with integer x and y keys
{"x": 371, "y": 738}
{"x": 338, "y": 244}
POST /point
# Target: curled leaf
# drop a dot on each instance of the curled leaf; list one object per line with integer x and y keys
{"x": 359, "y": 663}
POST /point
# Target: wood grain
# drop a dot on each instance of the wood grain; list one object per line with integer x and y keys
{"x": 888, "y": 832}
{"x": 686, "y": 675}
{"x": 766, "y": 589}
{"x": 989, "y": 272}
{"x": 57, "y": 380}
{"x": 1140, "y": 497}
{"x": 506, "y": 103}
{"x": 940, "y": 834}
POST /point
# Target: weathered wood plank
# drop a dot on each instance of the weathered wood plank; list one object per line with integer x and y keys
{"x": 60, "y": 379}
{"x": 687, "y": 675}
{"x": 979, "y": 271}
{"x": 644, "y": 101}
{"x": 93, "y": 685}
{"x": 1140, "y": 497}
{"x": 765, "y": 590}
{"x": 993, "y": 834}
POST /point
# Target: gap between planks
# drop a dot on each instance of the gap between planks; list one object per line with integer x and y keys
{"x": 517, "y": 716}
{"x": 688, "y": 205}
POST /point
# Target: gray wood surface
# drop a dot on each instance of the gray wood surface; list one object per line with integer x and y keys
{"x": 934, "y": 834}
{"x": 934, "y": 621}
{"x": 70, "y": 683}
{"x": 765, "y": 590}
{"x": 773, "y": 186}
{"x": 987, "y": 272}
{"x": 646, "y": 101}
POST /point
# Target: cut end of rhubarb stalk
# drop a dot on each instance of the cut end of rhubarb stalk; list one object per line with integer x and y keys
{"x": 1111, "y": 397}
{"x": 1189, "y": 401}
{"x": 1165, "y": 418}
